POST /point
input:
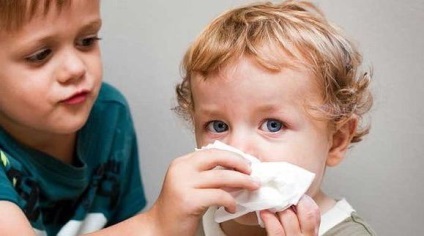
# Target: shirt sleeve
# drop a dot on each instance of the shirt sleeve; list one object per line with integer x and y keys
{"x": 132, "y": 198}
{"x": 353, "y": 225}
{"x": 7, "y": 191}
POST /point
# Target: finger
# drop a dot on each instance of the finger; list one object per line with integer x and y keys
{"x": 290, "y": 222}
{"x": 227, "y": 179}
{"x": 216, "y": 197}
{"x": 272, "y": 224}
{"x": 212, "y": 158}
{"x": 309, "y": 215}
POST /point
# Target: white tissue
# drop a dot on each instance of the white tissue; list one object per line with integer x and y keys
{"x": 282, "y": 185}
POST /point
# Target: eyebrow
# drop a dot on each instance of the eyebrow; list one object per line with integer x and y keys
{"x": 207, "y": 111}
{"x": 265, "y": 108}
{"x": 269, "y": 108}
{"x": 93, "y": 25}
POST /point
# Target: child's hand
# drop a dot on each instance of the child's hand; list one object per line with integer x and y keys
{"x": 305, "y": 221}
{"x": 192, "y": 184}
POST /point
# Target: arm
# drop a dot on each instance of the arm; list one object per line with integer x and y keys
{"x": 13, "y": 221}
{"x": 192, "y": 184}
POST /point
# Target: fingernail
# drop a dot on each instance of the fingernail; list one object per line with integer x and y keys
{"x": 249, "y": 164}
{"x": 256, "y": 180}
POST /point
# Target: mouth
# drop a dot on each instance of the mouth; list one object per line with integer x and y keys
{"x": 76, "y": 98}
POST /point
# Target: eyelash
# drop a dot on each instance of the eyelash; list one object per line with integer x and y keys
{"x": 39, "y": 56}
{"x": 281, "y": 124}
{"x": 43, "y": 55}
{"x": 213, "y": 122}
{"x": 92, "y": 41}
{"x": 265, "y": 126}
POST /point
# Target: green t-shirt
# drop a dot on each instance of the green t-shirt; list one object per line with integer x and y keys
{"x": 101, "y": 188}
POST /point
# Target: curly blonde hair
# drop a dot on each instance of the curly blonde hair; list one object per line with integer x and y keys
{"x": 302, "y": 32}
{"x": 15, "y": 13}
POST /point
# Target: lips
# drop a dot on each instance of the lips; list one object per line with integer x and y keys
{"x": 77, "y": 98}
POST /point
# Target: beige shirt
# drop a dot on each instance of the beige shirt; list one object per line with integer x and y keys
{"x": 337, "y": 221}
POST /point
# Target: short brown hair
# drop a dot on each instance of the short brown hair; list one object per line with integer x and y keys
{"x": 15, "y": 13}
{"x": 300, "y": 29}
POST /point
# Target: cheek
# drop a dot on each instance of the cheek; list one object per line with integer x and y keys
{"x": 201, "y": 135}
{"x": 197, "y": 134}
{"x": 97, "y": 68}
{"x": 201, "y": 140}
{"x": 94, "y": 64}
{"x": 313, "y": 159}
{"x": 311, "y": 156}
{"x": 99, "y": 72}
{"x": 199, "y": 143}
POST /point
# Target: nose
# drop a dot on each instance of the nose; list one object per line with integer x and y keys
{"x": 242, "y": 141}
{"x": 72, "y": 66}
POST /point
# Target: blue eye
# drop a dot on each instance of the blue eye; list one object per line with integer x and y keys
{"x": 87, "y": 42}
{"x": 39, "y": 56}
{"x": 272, "y": 125}
{"x": 217, "y": 126}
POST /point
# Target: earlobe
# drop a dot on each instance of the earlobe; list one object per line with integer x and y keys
{"x": 340, "y": 141}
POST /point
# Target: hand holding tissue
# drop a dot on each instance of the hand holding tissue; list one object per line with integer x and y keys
{"x": 282, "y": 185}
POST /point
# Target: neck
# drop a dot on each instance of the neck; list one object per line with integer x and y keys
{"x": 232, "y": 228}
{"x": 324, "y": 202}
{"x": 59, "y": 146}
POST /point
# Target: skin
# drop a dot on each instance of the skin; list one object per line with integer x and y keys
{"x": 49, "y": 63}
{"x": 265, "y": 114}
{"x": 44, "y": 65}
{"x": 191, "y": 186}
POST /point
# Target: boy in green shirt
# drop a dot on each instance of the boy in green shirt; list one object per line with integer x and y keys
{"x": 68, "y": 151}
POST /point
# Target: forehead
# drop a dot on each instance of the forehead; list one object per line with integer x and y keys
{"x": 246, "y": 80}
{"x": 15, "y": 14}
{"x": 53, "y": 27}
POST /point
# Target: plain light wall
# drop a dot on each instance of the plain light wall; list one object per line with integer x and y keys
{"x": 143, "y": 44}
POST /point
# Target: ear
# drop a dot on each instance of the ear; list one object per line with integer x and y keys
{"x": 341, "y": 139}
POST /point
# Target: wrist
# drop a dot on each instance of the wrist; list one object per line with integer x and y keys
{"x": 149, "y": 223}
{"x": 170, "y": 222}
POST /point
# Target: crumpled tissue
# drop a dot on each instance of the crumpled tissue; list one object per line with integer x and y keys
{"x": 282, "y": 185}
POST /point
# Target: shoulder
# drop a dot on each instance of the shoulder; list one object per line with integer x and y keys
{"x": 110, "y": 94}
{"x": 353, "y": 225}
{"x": 111, "y": 105}
{"x": 110, "y": 114}
{"x": 10, "y": 170}
{"x": 343, "y": 220}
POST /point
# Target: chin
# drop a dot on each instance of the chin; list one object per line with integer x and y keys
{"x": 71, "y": 126}
{"x": 74, "y": 122}
{"x": 248, "y": 219}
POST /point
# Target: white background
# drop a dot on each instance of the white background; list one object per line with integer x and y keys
{"x": 143, "y": 44}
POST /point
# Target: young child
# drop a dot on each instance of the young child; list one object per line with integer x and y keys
{"x": 281, "y": 83}
{"x": 68, "y": 151}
